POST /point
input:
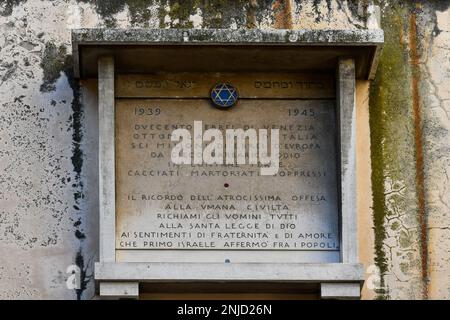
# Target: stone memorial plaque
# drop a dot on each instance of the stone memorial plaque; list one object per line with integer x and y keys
{"x": 164, "y": 206}
{"x": 177, "y": 109}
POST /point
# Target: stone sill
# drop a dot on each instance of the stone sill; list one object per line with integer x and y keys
{"x": 277, "y": 272}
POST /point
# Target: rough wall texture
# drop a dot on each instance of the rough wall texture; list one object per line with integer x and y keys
{"x": 48, "y": 130}
{"x": 409, "y": 122}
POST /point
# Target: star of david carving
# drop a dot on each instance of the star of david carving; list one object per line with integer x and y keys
{"x": 224, "y": 95}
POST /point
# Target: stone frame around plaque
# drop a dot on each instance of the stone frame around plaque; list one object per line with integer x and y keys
{"x": 351, "y": 53}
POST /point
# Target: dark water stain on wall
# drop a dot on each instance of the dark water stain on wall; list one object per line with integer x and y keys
{"x": 6, "y": 6}
{"x": 85, "y": 277}
{"x": 317, "y": 11}
{"x": 55, "y": 61}
{"x": 52, "y": 64}
{"x": 77, "y": 163}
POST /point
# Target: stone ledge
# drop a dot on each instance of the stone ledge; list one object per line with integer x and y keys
{"x": 277, "y": 272}
{"x": 340, "y": 290}
{"x": 220, "y": 36}
{"x": 119, "y": 289}
{"x": 155, "y": 50}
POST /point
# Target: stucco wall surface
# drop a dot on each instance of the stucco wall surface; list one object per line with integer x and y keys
{"x": 48, "y": 136}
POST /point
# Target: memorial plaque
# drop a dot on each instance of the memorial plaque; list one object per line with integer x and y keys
{"x": 227, "y": 162}
{"x": 217, "y": 207}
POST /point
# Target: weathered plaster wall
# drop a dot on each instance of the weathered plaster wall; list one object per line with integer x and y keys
{"x": 48, "y": 123}
{"x": 409, "y": 122}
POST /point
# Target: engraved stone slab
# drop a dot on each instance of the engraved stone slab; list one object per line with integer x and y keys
{"x": 162, "y": 206}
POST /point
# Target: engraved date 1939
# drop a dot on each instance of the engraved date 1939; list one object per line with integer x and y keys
{"x": 147, "y": 111}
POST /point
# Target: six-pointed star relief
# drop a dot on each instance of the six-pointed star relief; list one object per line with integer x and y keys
{"x": 224, "y": 95}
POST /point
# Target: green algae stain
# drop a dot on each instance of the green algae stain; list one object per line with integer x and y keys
{"x": 218, "y": 14}
{"x": 180, "y": 12}
{"x": 139, "y": 10}
{"x": 405, "y": 240}
{"x": 395, "y": 225}
{"x": 392, "y": 135}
